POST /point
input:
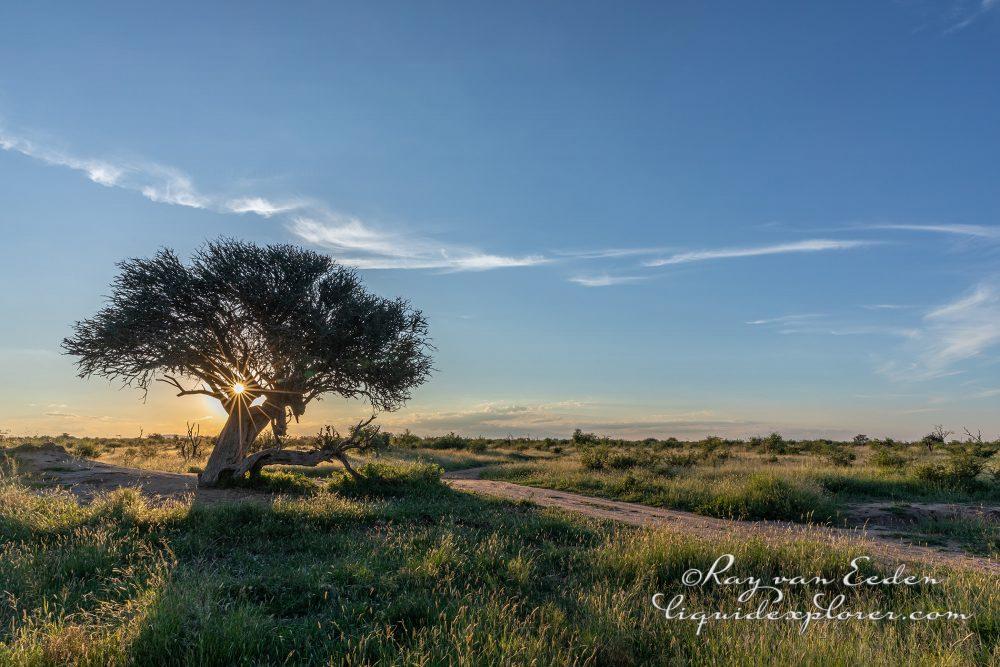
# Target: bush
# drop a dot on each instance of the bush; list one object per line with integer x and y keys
{"x": 581, "y": 438}
{"x": 383, "y": 479}
{"x": 606, "y": 458}
{"x": 679, "y": 460}
{"x": 478, "y": 445}
{"x": 594, "y": 458}
{"x": 961, "y": 472}
{"x": 711, "y": 443}
{"x": 775, "y": 444}
{"x": 450, "y": 441}
{"x": 841, "y": 457}
{"x": 768, "y": 497}
{"x": 87, "y": 449}
{"x": 887, "y": 459}
{"x": 405, "y": 439}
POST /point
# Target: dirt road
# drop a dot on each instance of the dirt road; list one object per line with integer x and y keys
{"x": 51, "y": 465}
{"x": 873, "y": 540}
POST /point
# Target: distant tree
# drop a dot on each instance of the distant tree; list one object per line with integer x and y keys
{"x": 581, "y": 438}
{"x": 190, "y": 446}
{"x": 405, "y": 438}
{"x": 938, "y": 436}
{"x": 861, "y": 439}
{"x": 263, "y": 329}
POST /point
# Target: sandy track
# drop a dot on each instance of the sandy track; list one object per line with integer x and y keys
{"x": 52, "y": 466}
{"x": 868, "y": 542}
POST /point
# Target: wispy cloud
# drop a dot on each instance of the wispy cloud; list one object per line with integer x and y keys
{"x": 874, "y": 330}
{"x": 360, "y": 245}
{"x": 953, "y": 333}
{"x": 812, "y": 245}
{"x": 263, "y": 207}
{"x": 807, "y": 324}
{"x": 784, "y": 319}
{"x": 887, "y": 306}
{"x": 979, "y": 231}
{"x": 99, "y": 171}
{"x": 353, "y": 241}
{"x": 968, "y": 17}
{"x": 560, "y": 418}
{"x": 156, "y": 182}
{"x": 604, "y": 280}
{"x": 987, "y": 393}
{"x": 901, "y": 332}
{"x": 965, "y": 328}
{"x": 72, "y": 415}
{"x": 610, "y": 253}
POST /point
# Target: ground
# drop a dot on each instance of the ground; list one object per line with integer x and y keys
{"x": 405, "y": 570}
{"x": 51, "y": 465}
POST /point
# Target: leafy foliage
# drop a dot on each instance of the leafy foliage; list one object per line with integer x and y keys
{"x": 287, "y": 323}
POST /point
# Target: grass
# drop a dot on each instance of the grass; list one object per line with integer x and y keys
{"x": 740, "y": 482}
{"x": 406, "y": 571}
{"x": 164, "y": 454}
{"x": 712, "y": 491}
{"x": 977, "y": 535}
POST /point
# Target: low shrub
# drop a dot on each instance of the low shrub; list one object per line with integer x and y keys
{"x": 887, "y": 459}
{"x": 450, "y": 441}
{"x": 961, "y": 472}
{"x": 405, "y": 439}
{"x": 594, "y": 458}
{"x": 87, "y": 449}
{"x": 478, "y": 445}
{"x": 606, "y": 458}
{"x": 682, "y": 460}
{"x": 768, "y": 497}
{"x": 278, "y": 481}
{"x": 383, "y": 479}
{"x": 839, "y": 456}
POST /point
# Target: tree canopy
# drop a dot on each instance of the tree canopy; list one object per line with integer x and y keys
{"x": 279, "y": 321}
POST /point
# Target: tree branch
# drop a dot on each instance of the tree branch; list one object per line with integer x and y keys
{"x": 328, "y": 452}
{"x": 169, "y": 379}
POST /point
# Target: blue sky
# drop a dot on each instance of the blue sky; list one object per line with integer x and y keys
{"x": 641, "y": 219}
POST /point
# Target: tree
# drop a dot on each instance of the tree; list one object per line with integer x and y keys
{"x": 263, "y": 329}
{"x": 935, "y": 437}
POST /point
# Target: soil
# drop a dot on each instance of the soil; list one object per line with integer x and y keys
{"x": 882, "y": 539}
{"x": 51, "y": 466}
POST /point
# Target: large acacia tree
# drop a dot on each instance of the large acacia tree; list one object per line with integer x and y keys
{"x": 263, "y": 329}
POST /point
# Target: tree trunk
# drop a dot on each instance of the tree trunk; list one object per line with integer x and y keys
{"x": 254, "y": 463}
{"x": 241, "y": 429}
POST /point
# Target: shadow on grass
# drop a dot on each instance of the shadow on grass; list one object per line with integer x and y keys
{"x": 405, "y": 570}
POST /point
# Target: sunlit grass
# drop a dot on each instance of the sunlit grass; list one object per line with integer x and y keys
{"x": 417, "y": 574}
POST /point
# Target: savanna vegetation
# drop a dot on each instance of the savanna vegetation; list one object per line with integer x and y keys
{"x": 947, "y": 493}
{"x": 396, "y": 568}
{"x": 265, "y": 330}
{"x": 948, "y": 489}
